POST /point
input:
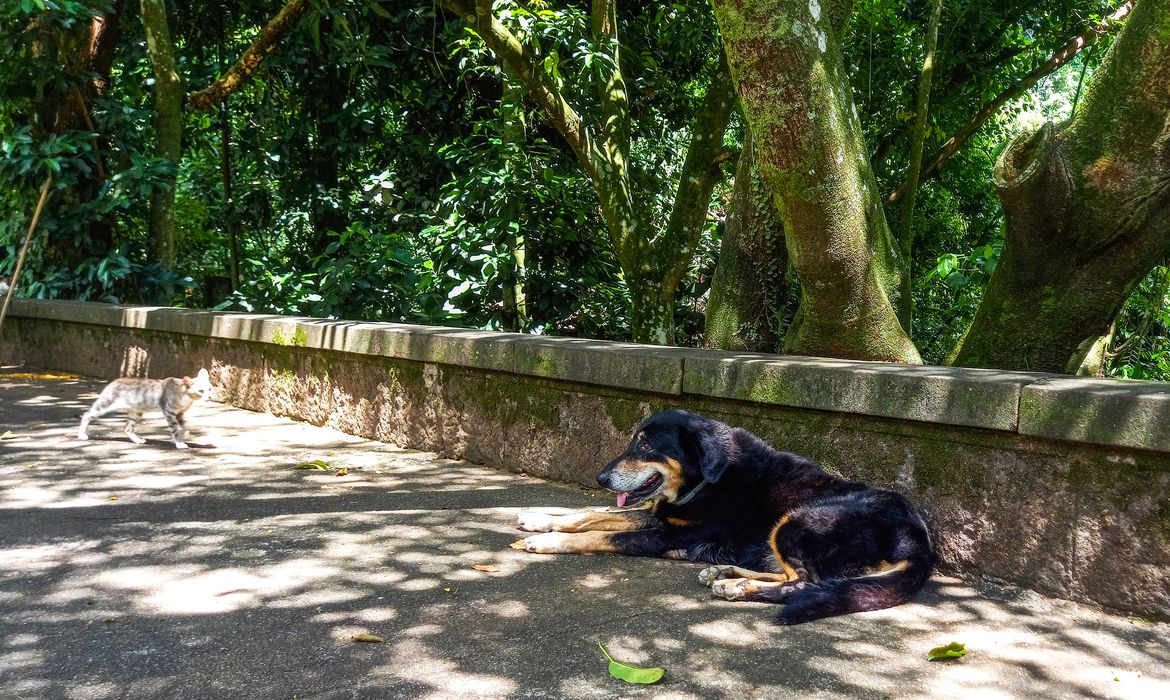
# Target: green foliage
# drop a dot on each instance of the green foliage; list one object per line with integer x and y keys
{"x": 378, "y": 172}
{"x": 1141, "y": 341}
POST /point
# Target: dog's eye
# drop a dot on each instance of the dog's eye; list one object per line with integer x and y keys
{"x": 644, "y": 444}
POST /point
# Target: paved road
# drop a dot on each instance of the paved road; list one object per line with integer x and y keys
{"x": 225, "y": 572}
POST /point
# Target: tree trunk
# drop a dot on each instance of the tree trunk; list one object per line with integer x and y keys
{"x": 513, "y": 132}
{"x": 168, "y": 105}
{"x": 922, "y": 111}
{"x": 1087, "y": 208}
{"x": 324, "y": 104}
{"x": 87, "y": 55}
{"x": 750, "y": 284}
{"x": 791, "y": 78}
{"x": 229, "y": 202}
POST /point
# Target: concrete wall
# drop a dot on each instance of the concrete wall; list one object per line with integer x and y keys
{"x": 1057, "y": 483}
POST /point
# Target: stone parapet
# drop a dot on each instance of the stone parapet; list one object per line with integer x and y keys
{"x": 1057, "y": 483}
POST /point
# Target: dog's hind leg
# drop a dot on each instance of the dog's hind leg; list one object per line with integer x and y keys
{"x": 755, "y": 590}
{"x": 712, "y": 574}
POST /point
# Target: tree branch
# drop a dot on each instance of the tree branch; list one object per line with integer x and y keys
{"x": 519, "y": 64}
{"x": 615, "y": 103}
{"x": 700, "y": 171}
{"x": 238, "y": 74}
{"x": 1058, "y": 59}
{"x": 922, "y": 111}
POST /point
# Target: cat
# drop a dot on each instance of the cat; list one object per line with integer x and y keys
{"x": 172, "y": 396}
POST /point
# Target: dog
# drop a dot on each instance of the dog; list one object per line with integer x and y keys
{"x": 777, "y": 527}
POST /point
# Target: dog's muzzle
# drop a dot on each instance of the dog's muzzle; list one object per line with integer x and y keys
{"x": 633, "y": 483}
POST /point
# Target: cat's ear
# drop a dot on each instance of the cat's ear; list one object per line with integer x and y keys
{"x": 186, "y": 381}
{"x": 203, "y": 374}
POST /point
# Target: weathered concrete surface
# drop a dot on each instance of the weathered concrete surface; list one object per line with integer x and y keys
{"x": 979, "y": 398}
{"x": 223, "y": 572}
{"x": 1100, "y": 411}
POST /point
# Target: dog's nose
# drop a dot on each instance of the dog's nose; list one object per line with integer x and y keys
{"x": 606, "y": 475}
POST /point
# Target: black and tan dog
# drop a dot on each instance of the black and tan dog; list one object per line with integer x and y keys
{"x": 778, "y": 527}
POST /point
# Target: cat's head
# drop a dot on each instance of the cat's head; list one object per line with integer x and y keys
{"x": 200, "y": 386}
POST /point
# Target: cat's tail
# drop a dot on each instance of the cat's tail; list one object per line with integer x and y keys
{"x": 812, "y": 601}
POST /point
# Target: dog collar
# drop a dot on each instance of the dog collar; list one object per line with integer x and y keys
{"x": 687, "y": 498}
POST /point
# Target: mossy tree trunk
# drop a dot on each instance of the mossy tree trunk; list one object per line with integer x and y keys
{"x": 653, "y": 258}
{"x": 168, "y": 106}
{"x": 786, "y": 60}
{"x": 750, "y": 284}
{"x": 1087, "y": 207}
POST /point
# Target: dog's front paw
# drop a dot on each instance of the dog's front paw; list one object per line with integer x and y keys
{"x": 535, "y": 522}
{"x": 712, "y": 574}
{"x": 544, "y": 543}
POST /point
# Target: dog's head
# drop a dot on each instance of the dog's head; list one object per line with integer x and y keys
{"x": 671, "y": 453}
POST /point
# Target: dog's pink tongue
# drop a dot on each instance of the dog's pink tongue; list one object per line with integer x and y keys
{"x": 621, "y": 499}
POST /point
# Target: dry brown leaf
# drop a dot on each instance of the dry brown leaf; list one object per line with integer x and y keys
{"x": 485, "y": 567}
{"x": 518, "y": 544}
{"x": 8, "y": 435}
{"x": 113, "y": 498}
{"x": 373, "y": 638}
{"x": 343, "y": 471}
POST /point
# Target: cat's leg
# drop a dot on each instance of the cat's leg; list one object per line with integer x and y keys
{"x": 132, "y": 418}
{"x": 97, "y": 410}
{"x": 178, "y": 428}
{"x": 85, "y": 419}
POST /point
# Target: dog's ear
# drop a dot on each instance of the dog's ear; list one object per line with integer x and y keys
{"x": 711, "y": 442}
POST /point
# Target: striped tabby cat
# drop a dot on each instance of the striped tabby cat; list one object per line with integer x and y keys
{"x": 172, "y": 396}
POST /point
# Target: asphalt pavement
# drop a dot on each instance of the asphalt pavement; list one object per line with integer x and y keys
{"x": 225, "y": 571}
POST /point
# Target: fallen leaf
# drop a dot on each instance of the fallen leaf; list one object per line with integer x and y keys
{"x": 8, "y": 435}
{"x": 485, "y": 567}
{"x": 342, "y": 472}
{"x": 518, "y": 544}
{"x": 632, "y": 674}
{"x": 38, "y": 375}
{"x": 113, "y": 498}
{"x": 315, "y": 464}
{"x": 369, "y": 638}
{"x": 951, "y": 651}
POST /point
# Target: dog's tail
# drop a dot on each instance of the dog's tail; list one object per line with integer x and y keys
{"x": 812, "y": 601}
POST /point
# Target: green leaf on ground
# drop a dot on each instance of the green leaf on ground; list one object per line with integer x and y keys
{"x": 315, "y": 464}
{"x": 951, "y": 651}
{"x": 632, "y": 674}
